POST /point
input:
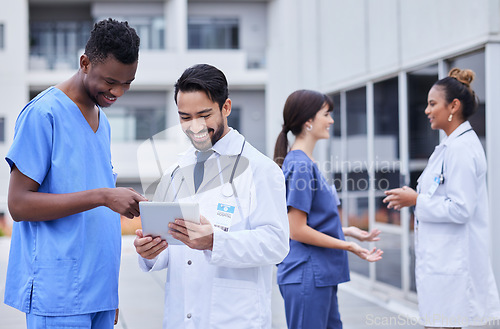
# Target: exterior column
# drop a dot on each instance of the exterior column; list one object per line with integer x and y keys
{"x": 492, "y": 54}
{"x": 176, "y": 15}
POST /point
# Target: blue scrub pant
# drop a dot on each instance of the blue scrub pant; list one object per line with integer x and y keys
{"x": 308, "y": 306}
{"x": 99, "y": 320}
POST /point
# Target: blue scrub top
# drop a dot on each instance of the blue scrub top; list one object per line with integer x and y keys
{"x": 69, "y": 265}
{"x": 308, "y": 190}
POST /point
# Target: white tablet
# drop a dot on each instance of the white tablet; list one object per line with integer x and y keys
{"x": 155, "y": 217}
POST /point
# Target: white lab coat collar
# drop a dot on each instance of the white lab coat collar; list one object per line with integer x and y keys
{"x": 460, "y": 129}
{"x": 230, "y": 144}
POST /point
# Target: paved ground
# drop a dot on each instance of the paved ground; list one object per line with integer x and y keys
{"x": 141, "y": 301}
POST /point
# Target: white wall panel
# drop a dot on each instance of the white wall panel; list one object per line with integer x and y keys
{"x": 344, "y": 39}
{"x": 430, "y": 26}
{"x": 383, "y": 35}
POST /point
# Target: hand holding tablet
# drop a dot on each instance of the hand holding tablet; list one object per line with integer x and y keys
{"x": 155, "y": 217}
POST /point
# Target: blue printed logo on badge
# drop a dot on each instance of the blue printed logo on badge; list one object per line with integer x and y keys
{"x": 225, "y": 208}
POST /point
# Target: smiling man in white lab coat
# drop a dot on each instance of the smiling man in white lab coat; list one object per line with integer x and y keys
{"x": 222, "y": 276}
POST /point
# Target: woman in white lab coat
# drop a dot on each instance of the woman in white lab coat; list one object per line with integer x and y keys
{"x": 455, "y": 283}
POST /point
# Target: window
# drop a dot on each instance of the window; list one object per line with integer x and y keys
{"x": 386, "y": 146}
{"x": 2, "y": 37}
{"x": 150, "y": 29}
{"x": 333, "y": 169}
{"x": 357, "y": 180}
{"x": 2, "y": 129}
{"x": 137, "y": 116}
{"x": 130, "y": 123}
{"x": 422, "y": 139}
{"x": 213, "y": 33}
{"x": 234, "y": 119}
{"x": 56, "y": 44}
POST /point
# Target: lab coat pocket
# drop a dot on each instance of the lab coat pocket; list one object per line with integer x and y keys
{"x": 442, "y": 254}
{"x": 235, "y": 304}
{"x": 55, "y": 287}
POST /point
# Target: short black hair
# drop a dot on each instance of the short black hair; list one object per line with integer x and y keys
{"x": 206, "y": 78}
{"x": 112, "y": 37}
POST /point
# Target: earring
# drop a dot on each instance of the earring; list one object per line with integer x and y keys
{"x": 309, "y": 128}
{"x": 450, "y": 118}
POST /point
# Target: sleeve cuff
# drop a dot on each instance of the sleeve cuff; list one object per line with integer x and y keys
{"x": 215, "y": 254}
{"x": 146, "y": 265}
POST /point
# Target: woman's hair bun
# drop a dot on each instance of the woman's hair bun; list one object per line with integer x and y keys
{"x": 464, "y": 76}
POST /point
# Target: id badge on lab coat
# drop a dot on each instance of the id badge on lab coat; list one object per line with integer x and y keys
{"x": 434, "y": 186}
{"x": 224, "y": 216}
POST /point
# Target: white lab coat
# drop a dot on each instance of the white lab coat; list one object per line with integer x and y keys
{"x": 230, "y": 286}
{"x": 455, "y": 283}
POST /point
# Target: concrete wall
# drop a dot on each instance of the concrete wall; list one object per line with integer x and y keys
{"x": 364, "y": 37}
{"x": 13, "y": 90}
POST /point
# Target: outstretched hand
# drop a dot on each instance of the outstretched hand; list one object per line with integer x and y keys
{"x": 362, "y": 235}
{"x": 368, "y": 255}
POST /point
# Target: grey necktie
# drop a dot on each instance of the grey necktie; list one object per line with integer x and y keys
{"x": 199, "y": 170}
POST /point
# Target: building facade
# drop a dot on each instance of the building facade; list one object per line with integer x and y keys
{"x": 377, "y": 59}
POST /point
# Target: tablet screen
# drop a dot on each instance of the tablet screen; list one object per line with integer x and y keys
{"x": 155, "y": 217}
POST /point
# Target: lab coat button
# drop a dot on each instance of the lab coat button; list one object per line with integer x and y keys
{"x": 188, "y": 315}
{"x": 190, "y": 262}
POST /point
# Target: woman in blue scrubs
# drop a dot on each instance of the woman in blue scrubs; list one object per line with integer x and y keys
{"x": 317, "y": 262}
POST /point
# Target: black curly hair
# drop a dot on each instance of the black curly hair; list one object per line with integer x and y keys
{"x": 112, "y": 37}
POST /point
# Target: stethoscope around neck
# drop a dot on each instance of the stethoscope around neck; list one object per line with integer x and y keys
{"x": 228, "y": 189}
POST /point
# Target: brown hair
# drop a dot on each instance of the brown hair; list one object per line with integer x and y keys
{"x": 300, "y": 106}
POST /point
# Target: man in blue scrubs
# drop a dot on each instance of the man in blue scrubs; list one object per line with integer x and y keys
{"x": 66, "y": 240}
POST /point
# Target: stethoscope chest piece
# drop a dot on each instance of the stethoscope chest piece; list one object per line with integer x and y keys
{"x": 227, "y": 190}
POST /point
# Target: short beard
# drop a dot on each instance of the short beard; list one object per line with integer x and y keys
{"x": 215, "y": 137}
